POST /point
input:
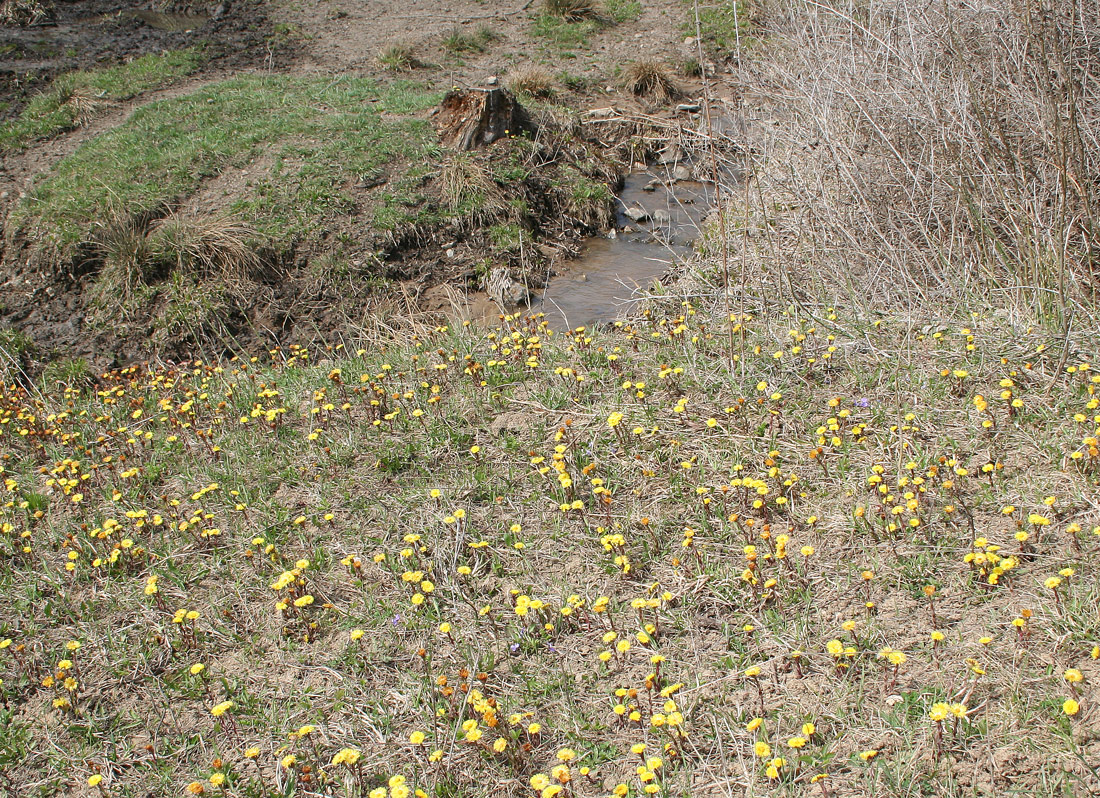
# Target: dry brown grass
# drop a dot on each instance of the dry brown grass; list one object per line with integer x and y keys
{"x": 24, "y": 12}
{"x": 532, "y": 80}
{"x": 219, "y": 246}
{"x": 932, "y": 150}
{"x": 650, "y": 79}
{"x": 466, "y": 186}
{"x": 571, "y": 10}
{"x": 398, "y": 57}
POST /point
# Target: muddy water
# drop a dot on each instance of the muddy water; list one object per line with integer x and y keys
{"x": 600, "y": 285}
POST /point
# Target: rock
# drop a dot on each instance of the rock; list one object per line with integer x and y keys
{"x": 681, "y": 172}
{"x": 662, "y": 217}
{"x": 492, "y": 80}
{"x": 672, "y": 153}
{"x": 689, "y": 41}
{"x": 450, "y": 253}
{"x": 636, "y": 213}
{"x": 505, "y": 291}
{"x": 470, "y": 118}
{"x": 626, "y": 229}
{"x": 600, "y": 113}
{"x": 689, "y": 108}
{"x": 653, "y": 185}
{"x": 515, "y": 421}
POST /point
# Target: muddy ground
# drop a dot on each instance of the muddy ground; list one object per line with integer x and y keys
{"x": 434, "y": 270}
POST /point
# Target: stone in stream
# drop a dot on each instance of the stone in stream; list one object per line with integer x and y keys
{"x": 662, "y": 217}
{"x": 636, "y": 213}
{"x": 681, "y": 172}
{"x": 653, "y": 185}
{"x": 672, "y": 153}
{"x": 508, "y": 293}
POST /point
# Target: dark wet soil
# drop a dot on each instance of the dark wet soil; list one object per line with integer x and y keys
{"x": 91, "y": 33}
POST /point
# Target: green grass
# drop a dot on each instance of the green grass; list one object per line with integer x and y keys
{"x": 59, "y": 107}
{"x": 620, "y": 11}
{"x": 722, "y": 25}
{"x": 321, "y": 135}
{"x": 477, "y": 42}
{"x": 564, "y": 34}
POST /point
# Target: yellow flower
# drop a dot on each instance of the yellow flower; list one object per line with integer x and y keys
{"x": 417, "y": 737}
{"x": 93, "y": 781}
{"x": 762, "y": 749}
{"x": 346, "y": 756}
{"x": 1073, "y": 675}
{"x": 217, "y": 779}
{"x": 939, "y": 712}
{"x": 220, "y": 709}
{"x": 868, "y": 755}
{"x": 1070, "y": 707}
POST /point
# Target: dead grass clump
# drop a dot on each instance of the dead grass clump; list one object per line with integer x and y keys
{"x": 650, "y": 79}
{"x": 24, "y": 12}
{"x": 398, "y": 57}
{"x": 468, "y": 189}
{"x": 571, "y": 10}
{"x": 219, "y": 247}
{"x": 532, "y": 80}
{"x": 121, "y": 245}
{"x": 83, "y": 103}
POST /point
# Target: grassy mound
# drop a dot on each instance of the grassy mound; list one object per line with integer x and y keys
{"x": 805, "y": 551}
{"x": 321, "y": 134}
{"x": 76, "y": 97}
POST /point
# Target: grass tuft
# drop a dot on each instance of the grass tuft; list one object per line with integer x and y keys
{"x": 532, "y": 80}
{"x": 458, "y": 41}
{"x": 398, "y": 57}
{"x": 571, "y": 10}
{"x": 650, "y": 79}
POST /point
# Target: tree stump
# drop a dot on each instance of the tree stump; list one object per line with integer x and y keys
{"x": 470, "y": 118}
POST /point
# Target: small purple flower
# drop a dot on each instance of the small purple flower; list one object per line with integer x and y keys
{"x": 514, "y": 647}
{"x": 396, "y": 619}
{"x": 863, "y": 402}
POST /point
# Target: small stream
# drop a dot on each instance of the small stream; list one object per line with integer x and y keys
{"x": 601, "y": 284}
